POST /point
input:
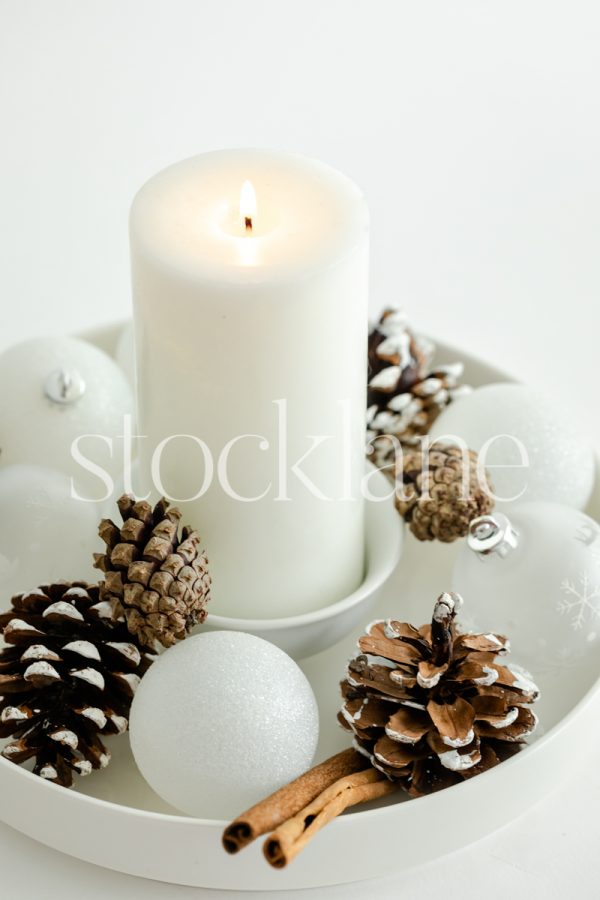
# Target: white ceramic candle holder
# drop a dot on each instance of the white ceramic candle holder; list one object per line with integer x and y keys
{"x": 309, "y": 633}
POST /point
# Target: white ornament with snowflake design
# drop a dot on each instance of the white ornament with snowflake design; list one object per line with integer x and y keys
{"x": 536, "y": 579}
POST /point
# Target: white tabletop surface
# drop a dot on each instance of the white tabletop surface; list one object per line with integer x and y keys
{"x": 474, "y": 129}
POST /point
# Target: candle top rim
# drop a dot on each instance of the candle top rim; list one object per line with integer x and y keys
{"x": 309, "y": 216}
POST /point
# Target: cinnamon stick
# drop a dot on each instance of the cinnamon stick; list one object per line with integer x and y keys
{"x": 291, "y": 837}
{"x": 272, "y": 812}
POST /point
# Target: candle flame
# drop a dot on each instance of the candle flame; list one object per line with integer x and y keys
{"x": 247, "y": 204}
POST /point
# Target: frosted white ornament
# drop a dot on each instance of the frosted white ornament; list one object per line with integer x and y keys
{"x": 561, "y": 461}
{"x": 55, "y": 390}
{"x": 534, "y": 577}
{"x": 222, "y": 720}
{"x": 45, "y": 535}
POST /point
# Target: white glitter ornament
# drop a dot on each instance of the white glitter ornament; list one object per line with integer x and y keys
{"x": 561, "y": 461}
{"x": 222, "y": 720}
{"x": 534, "y": 577}
{"x": 56, "y": 390}
{"x": 45, "y": 535}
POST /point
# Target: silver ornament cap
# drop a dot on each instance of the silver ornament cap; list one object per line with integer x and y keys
{"x": 492, "y": 535}
{"x": 64, "y": 386}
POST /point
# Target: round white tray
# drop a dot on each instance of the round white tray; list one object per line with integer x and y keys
{"x": 114, "y": 820}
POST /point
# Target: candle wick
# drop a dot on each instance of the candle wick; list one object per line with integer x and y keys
{"x": 248, "y": 223}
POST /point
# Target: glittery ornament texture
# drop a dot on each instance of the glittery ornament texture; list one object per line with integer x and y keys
{"x": 560, "y": 460}
{"x": 222, "y": 720}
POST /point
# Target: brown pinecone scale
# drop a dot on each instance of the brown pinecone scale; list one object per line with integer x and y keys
{"x": 68, "y": 674}
{"x": 439, "y": 491}
{"x": 158, "y": 581}
{"x": 429, "y": 706}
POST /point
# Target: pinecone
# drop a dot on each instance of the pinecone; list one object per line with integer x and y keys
{"x": 406, "y": 394}
{"x": 67, "y": 678}
{"x": 438, "y": 492}
{"x": 159, "y": 583}
{"x": 397, "y": 357}
{"x": 429, "y": 706}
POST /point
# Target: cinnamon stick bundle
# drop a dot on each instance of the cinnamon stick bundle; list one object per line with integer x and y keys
{"x": 272, "y": 812}
{"x": 296, "y": 812}
{"x": 291, "y": 837}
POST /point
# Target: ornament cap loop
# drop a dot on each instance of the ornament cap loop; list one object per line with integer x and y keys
{"x": 64, "y": 386}
{"x": 492, "y": 535}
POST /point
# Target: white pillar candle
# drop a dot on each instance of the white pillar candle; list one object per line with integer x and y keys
{"x": 250, "y": 297}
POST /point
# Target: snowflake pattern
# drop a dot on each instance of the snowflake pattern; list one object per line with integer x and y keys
{"x": 578, "y": 601}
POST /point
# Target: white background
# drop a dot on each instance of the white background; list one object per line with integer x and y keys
{"x": 473, "y": 128}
